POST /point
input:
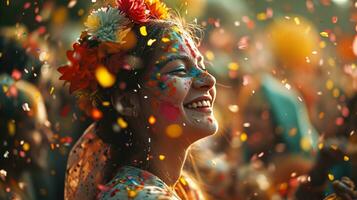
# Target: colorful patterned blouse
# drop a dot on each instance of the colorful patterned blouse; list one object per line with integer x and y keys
{"x": 136, "y": 184}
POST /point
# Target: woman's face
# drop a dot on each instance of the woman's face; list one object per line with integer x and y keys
{"x": 178, "y": 93}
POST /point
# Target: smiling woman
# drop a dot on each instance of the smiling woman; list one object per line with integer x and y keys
{"x": 138, "y": 73}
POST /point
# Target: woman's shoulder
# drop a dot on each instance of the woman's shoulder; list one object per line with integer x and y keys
{"x": 136, "y": 184}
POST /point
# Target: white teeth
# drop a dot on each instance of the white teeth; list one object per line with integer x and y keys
{"x": 199, "y": 104}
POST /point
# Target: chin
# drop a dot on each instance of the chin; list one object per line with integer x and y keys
{"x": 204, "y": 128}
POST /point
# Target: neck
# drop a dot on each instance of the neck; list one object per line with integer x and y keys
{"x": 167, "y": 160}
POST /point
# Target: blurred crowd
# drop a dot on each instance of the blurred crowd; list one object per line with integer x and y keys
{"x": 286, "y": 75}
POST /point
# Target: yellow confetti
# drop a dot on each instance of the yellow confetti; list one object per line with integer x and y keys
{"x": 243, "y": 137}
{"x": 321, "y": 145}
{"x": 122, "y": 123}
{"x": 11, "y": 127}
{"x": 165, "y": 39}
{"x": 104, "y": 77}
{"x": 26, "y": 146}
{"x": 305, "y": 143}
{"x": 261, "y": 16}
{"x": 143, "y": 31}
{"x": 331, "y": 177}
{"x": 5, "y": 88}
{"x": 209, "y": 55}
{"x": 132, "y": 193}
{"x": 322, "y": 44}
{"x": 324, "y": 34}
{"x": 335, "y": 92}
{"x": 233, "y": 66}
{"x": 106, "y": 103}
{"x": 329, "y": 84}
{"x": 52, "y": 90}
{"x": 161, "y": 157}
{"x": 174, "y": 130}
{"x": 152, "y": 120}
{"x": 346, "y": 158}
{"x": 151, "y": 41}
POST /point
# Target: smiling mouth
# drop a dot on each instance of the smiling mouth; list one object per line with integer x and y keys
{"x": 201, "y": 104}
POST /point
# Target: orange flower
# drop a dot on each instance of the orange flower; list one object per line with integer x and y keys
{"x": 158, "y": 9}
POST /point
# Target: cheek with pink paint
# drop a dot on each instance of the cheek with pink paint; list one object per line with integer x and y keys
{"x": 169, "y": 111}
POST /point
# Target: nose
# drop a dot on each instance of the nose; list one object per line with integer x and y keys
{"x": 204, "y": 81}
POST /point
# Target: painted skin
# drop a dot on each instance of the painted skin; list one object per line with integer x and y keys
{"x": 175, "y": 81}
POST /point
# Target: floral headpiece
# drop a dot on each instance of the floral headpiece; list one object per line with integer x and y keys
{"x": 106, "y": 29}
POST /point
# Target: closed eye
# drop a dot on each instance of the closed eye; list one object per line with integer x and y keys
{"x": 179, "y": 70}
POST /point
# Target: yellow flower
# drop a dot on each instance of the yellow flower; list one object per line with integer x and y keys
{"x": 92, "y": 23}
{"x": 157, "y": 9}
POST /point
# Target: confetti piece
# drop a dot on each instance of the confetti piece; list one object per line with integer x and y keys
{"x": 26, "y": 107}
{"x": 26, "y": 146}
{"x": 106, "y": 103}
{"x": 324, "y": 34}
{"x": 329, "y": 84}
{"x": 233, "y": 66}
{"x": 165, "y": 39}
{"x": 11, "y": 127}
{"x": 52, "y": 90}
{"x": 209, "y": 55}
{"x": 16, "y": 74}
{"x": 132, "y": 193}
{"x": 246, "y": 124}
{"x": 151, "y": 41}
{"x": 104, "y": 77}
{"x": 233, "y": 108}
{"x": 96, "y": 114}
{"x": 3, "y": 174}
{"x": 321, "y": 145}
{"x": 243, "y": 137}
{"x": 331, "y": 177}
{"x": 334, "y": 19}
{"x": 346, "y": 158}
{"x": 72, "y": 3}
{"x": 143, "y": 31}
{"x": 152, "y": 120}
{"x": 174, "y": 131}
{"x": 122, "y": 123}
{"x": 161, "y": 157}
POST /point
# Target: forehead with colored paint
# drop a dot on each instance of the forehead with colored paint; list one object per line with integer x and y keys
{"x": 176, "y": 45}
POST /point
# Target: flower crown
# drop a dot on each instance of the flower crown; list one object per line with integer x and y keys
{"x": 106, "y": 29}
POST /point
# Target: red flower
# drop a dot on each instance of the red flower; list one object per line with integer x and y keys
{"x": 80, "y": 72}
{"x": 134, "y": 9}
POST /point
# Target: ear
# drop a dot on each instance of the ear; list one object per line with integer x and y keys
{"x": 127, "y": 104}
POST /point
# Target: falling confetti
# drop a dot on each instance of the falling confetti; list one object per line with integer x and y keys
{"x": 104, "y": 77}
{"x": 174, "y": 131}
